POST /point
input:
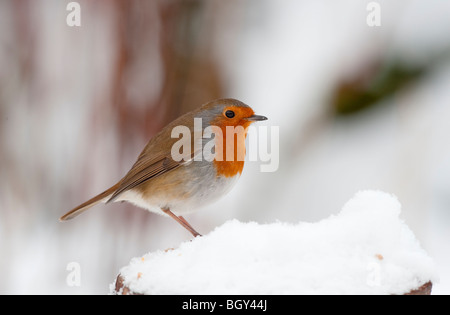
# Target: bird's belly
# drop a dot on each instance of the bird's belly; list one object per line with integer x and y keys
{"x": 184, "y": 191}
{"x": 204, "y": 194}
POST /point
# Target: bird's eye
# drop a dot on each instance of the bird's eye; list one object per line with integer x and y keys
{"x": 229, "y": 114}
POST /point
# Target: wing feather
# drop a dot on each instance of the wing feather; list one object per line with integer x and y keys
{"x": 145, "y": 169}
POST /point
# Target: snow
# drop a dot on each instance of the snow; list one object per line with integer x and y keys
{"x": 365, "y": 249}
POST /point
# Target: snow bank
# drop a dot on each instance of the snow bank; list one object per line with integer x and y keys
{"x": 366, "y": 249}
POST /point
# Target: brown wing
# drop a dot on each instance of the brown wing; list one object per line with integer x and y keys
{"x": 144, "y": 169}
{"x": 156, "y": 160}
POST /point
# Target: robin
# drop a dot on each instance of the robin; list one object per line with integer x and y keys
{"x": 168, "y": 185}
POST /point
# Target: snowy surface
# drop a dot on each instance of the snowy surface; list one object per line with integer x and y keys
{"x": 365, "y": 249}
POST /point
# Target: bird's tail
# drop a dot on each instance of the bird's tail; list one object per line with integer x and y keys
{"x": 103, "y": 197}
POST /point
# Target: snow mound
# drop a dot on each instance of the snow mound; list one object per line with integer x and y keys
{"x": 365, "y": 249}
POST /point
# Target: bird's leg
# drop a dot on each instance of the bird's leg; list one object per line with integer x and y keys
{"x": 182, "y": 221}
{"x": 187, "y": 223}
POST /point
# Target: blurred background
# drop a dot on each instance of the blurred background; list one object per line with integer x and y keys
{"x": 358, "y": 107}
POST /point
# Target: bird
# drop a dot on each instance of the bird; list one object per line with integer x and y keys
{"x": 162, "y": 182}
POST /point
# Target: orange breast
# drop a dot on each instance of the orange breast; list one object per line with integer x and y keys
{"x": 229, "y": 168}
{"x": 231, "y": 164}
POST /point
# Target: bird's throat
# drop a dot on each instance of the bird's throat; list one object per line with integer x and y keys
{"x": 230, "y": 151}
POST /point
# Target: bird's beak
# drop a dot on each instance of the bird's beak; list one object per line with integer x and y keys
{"x": 256, "y": 118}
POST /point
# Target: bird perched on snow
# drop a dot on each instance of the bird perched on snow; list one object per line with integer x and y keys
{"x": 162, "y": 182}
